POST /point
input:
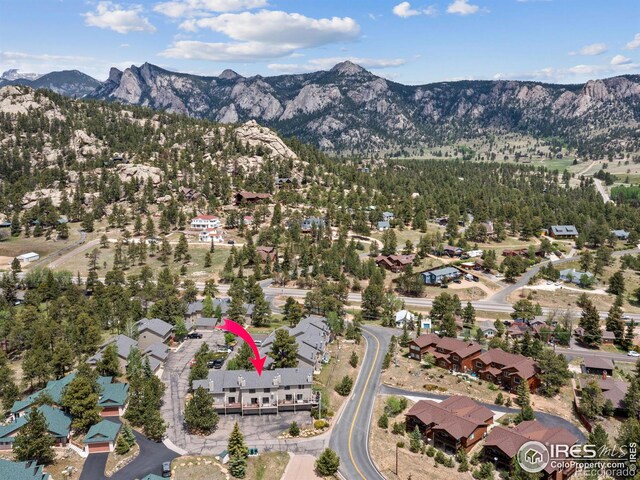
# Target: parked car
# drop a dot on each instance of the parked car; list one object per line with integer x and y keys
{"x": 217, "y": 363}
{"x": 166, "y": 469}
{"x": 231, "y": 242}
{"x": 633, "y": 353}
{"x": 194, "y": 335}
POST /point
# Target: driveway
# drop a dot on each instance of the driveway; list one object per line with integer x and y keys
{"x": 149, "y": 460}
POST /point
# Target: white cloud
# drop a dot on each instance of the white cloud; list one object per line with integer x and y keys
{"x": 197, "y": 8}
{"x": 225, "y": 52}
{"x": 635, "y": 43}
{"x": 263, "y": 34}
{"x": 620, "y": 60}
{"x": 580, "y": 72}
{"x": 404, "y": 10}
{"x": 462, "y": 7}
{"x": 326, "y": 63}
{"x": 118, "y": 18}
{"x": 593, "y": 49}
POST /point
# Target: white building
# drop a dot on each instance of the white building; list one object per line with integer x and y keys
{"x": 211, "y": 234}
{"x": 28, "y": 257}
{"x": 473, "y": 253}
{"x": 425, "y": 324}
{"x": 202, "y": 222}
{"x": 404, "y": 316}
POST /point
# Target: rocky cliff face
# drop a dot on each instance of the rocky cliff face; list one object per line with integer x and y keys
{"x": 348, "y": 108}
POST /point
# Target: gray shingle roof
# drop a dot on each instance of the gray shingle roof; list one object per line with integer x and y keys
{"x": 564, "y": 230}
{"x": 158, "y": 350}
{"x": 155, "y": 325}
{"x": 220, "y": 380}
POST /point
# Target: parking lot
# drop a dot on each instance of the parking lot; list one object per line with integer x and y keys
{"x": 260, "y": 431}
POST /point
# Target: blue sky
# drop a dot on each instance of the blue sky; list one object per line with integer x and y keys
{"x": 564, "y": 41}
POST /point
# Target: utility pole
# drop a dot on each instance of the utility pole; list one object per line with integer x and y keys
{"x": 396, "y": 460}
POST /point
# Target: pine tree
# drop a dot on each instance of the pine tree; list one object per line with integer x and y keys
{"x": 199, "y": 414}
{"x": 415, "y": 440}
{"x": 592, "y": 400}
{"x": 261, "y": 315}
{"x": 109, "y": 365}
{"x": 34, "y": 442}
{"x": 238, "y": 453}
{"x": 154, "y": 426}
{"x": 614, "y": 321}
{"x": 616, "y": 283}
{"x": 590, "y": 322}
{"x": 328, "y": 462}
{"x": 629, "y": 335}
{"x": 81, "y": 397}
{"x": 284, "y": 350}
{"x": 524, "y": 400}
{"x": 469, "y": 314}
{"x": 237, "y": 310}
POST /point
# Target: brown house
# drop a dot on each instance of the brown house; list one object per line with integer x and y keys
{"x": 267, "y": 253}
{"x": 597, "y": 365}
{"x": 502, "y": 445}
{"x": 457, "y": 422}
{"x": 449, "y": 353}
{"x": 395, "y": 263}
{"x": 251, "y": 197}
{"x": 507, "y": 369}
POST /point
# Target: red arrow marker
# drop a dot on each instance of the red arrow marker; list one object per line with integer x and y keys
{"x": 239, "y": 330}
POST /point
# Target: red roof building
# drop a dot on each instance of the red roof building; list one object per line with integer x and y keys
{"x": 457, "y": 422}
{"x": 449, "y": 353}
{"x": 507, "y": 369}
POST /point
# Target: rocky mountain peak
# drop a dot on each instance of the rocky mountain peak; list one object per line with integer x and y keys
{"x": 229, "y": 74}
{"x": 114, "y": 75}
{"x": 347, "y": 68}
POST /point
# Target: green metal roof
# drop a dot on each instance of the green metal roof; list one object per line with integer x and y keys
{"x": 105, "y": 431}
{"x": 21, "y": 471}
{"x": 58, "y": 423}
{"x": 114, "y": 395}
{"x": 151, "y": 476}
{"x": 54, "y": 389}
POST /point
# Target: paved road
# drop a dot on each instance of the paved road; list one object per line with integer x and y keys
{"x": 350, "y": 436}
{"x": 551, "y": 421}
{"x": 602, "y": 190}
{"x": 149, "y": 460}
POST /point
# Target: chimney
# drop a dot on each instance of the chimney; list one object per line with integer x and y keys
{"x": 211, "y": 385}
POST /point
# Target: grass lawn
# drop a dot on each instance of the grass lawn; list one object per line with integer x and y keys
{"x": 554, "y": 163}
{"x": 197, "y": 468}
{"x": 276, "y": 322}
{"x": 267, "y": 466}
{"x": 14, "y": 246}
{"x": 195, "y": 268}
{"x": 337, "y": 368}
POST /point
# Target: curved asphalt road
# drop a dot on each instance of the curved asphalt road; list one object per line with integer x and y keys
{"x": 149, "y": 460}
{"x": 350, "y": 435}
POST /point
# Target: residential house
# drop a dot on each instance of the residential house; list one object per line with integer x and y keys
{"x": 285, "y": 181}
{"x": 520, "y": 252}
{"x": 211, "y": 235}
{"x": 488, "y": 330}
{"x": 205, "y": 222}
{"x": 383, "y": 225}
{"x": 614, "y": 390}
{"x": 507, "y": 369}
{"x": 312, "y": 335}
{"x": 29, "y": 470}
{"x": 54, "y": 390}
{"x": 425, "y": 323}
{"x": 247, "y": 220}
{"x": 113, "y": 397}
{"x": 246, "y": 392}
{"x": 404, "y": 317}
{"x": 123, "y": 344}
{"x": 267, "y": 253}
{"x": 563, "y": 231}
{"x": 502, "y": 445}
{"x": 608, "y": 338}
{"x": 451, "y": 251}
{"x": 574, "y": 276}
{"x": 395, "y": 263}
{"x": 517, "y": 329}
{"x": 28, "y": 257}
{"x": 157, "y": 354}
{"x": 388, "y": 216}
{"x": 308, "y": 224}
{"x": 449, "y": 353}
{"x": 101, "y": 437}
{"x": 621, "y": 234}
{"x": 455, "y": 423}
{"x": 251, "y": 197}
{"x": 189, "y": 194}
{"x": 597, "y": 365}
{"x": 58, "y": 425}
{"x": 472, "y": 254}
{"x": 152, "y": 331}
{"x": 440, "y": 275}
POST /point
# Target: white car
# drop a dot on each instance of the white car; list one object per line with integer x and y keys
{"x": 626, "y": 317}
{"x": 633, "y": 353}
